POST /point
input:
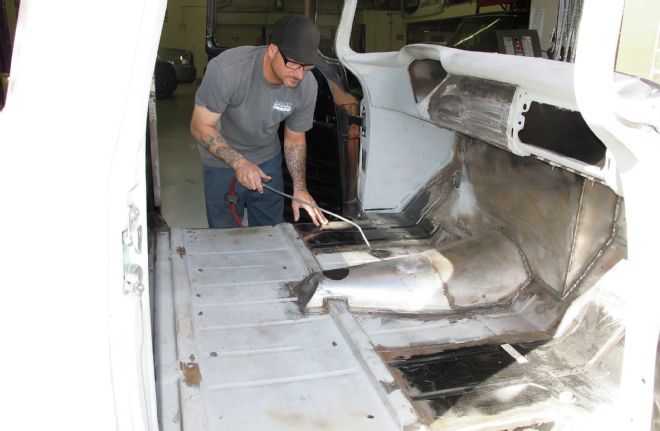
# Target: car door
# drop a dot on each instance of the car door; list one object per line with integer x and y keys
{"x": 129, "y": 297}
{"x": 79, "y": 314}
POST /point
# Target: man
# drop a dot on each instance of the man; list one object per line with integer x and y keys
{"x": 245, "y": 94}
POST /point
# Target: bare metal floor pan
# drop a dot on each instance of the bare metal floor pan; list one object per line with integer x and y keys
{"x": 239, "y": 355}
{"x": 234, "y": 351}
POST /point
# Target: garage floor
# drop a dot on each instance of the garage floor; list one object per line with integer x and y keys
{"x": 182, "y": 188}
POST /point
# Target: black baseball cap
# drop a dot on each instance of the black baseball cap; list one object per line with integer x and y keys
{"x": 298, "y": 38}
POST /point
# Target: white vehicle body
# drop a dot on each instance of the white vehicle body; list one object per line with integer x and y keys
{"x": 76, "y": 309}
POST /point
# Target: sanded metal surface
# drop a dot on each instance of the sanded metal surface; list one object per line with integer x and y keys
{"x": 594, "y": 227}
{"x": 408, "y": 284}
{"x": 250, "y": 359}
{"x": 559, "y": 221}
{"x": 486, "y": 269}
{"x": 476, "y": 107}
{"x": 537, "y": 204}
{"x": 526, "y": 318}
{"x": 479, "y": 271}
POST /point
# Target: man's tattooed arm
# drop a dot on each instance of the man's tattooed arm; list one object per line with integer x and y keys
{"x": 217, "y": 146}
{"x": 295, "y": 155}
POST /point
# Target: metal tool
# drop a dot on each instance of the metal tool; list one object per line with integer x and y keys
{"x": 320, "y": 209}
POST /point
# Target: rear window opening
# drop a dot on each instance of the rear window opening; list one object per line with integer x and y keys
{"x": 562, "y": 131}
{"x": 425, "y": 75}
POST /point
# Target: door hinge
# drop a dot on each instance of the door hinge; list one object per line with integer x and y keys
{"x": 131, "y": 239}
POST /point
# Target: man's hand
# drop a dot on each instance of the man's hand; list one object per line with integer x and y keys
{"x": 250, "y": 175}
{"x": 314, "y": 213}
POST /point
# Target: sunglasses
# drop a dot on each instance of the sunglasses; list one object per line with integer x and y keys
{"x": 293, "y": 65}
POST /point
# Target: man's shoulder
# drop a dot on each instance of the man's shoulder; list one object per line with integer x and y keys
{"x": 309, "y": 85}
{"x": 237, "y": 57}
{"x": 310, "y": 80}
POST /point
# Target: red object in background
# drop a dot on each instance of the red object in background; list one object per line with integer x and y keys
{"x": 232, "y": 198}
{"x": 518, "y": 46}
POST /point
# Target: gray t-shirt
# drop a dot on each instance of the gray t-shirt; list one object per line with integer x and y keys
{"x": 252, "y": 109}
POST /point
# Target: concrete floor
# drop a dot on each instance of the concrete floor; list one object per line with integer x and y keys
{"x": 182, "y": 188}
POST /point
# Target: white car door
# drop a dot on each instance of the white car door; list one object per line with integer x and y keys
{"x": 73, "y": 135}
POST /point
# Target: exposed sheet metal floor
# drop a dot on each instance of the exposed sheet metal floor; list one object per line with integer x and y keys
{"x": 246, "y": 357}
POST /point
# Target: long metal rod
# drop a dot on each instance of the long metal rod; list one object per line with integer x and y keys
{"x": 320, "y": 209}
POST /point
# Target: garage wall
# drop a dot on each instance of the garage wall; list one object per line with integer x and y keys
{"x": 385, "y": 30}
{"x": 543, "y": 19}
{"x": 436, "y": 10}
{"x": 237, "y": 25}
{"x": 184, "y": 27}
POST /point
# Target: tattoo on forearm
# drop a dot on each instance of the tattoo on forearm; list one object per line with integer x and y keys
{"x": 228, "y": 154}
{"x": 295, "y": 160}
{"x": 217, "y": 146}
{"x": 208, "y": 142}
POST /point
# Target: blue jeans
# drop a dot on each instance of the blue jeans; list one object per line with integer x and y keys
{"x": 265, "y": 209}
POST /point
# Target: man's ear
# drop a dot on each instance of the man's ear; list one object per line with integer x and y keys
{"x": 272, "y": 50}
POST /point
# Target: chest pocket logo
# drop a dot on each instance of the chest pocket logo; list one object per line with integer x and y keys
{"x": 282, "y": 105}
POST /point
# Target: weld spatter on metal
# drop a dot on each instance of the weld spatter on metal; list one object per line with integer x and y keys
{"x": 305, "y": 289}
{"x": 380, "y": 254}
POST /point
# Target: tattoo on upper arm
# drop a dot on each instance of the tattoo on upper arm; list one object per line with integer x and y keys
{"x": 295, "y": 161}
